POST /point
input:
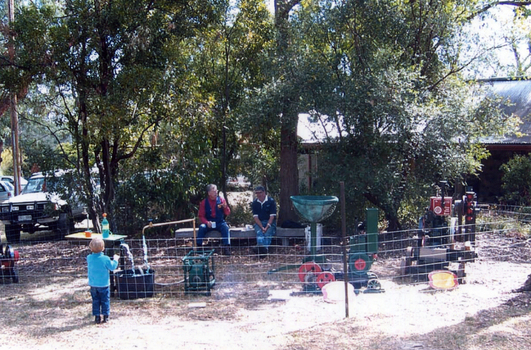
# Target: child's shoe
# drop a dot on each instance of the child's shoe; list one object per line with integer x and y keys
{"x": 105, "y": 318}
{"x": 97, "y": 319}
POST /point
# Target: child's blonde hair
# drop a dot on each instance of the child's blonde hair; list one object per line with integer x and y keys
{"x": 97, "y": 245}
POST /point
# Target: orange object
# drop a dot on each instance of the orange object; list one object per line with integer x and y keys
{"x": 443, "y": 280}
{"x": 88, "y": 234}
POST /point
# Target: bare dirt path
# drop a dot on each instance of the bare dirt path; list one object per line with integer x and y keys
{"x": 482, "y": 314}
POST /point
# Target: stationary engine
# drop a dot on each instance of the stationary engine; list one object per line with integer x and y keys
{"x": 443, "y": 243}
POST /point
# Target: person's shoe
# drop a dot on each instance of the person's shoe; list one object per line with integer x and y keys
{"x": 97, "y": 319}
{"x": 226, "y": 251}
{"x": 105, "y": 318}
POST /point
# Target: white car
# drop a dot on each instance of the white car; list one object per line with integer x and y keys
{"x": 11, "y": 180}
{"x": 39, "y": 207}
{"x": 6, "y": 191}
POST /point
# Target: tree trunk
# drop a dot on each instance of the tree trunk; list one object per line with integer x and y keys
{"x": 289, "y": 179}
{"x": 289, "y": 183}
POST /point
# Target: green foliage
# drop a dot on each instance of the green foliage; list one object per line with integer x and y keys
{"x": 116, "y": 72}
{"x": 240, "y": 214}
{"x": 158, "y": 195}
{"x": 404, "y": 117}
{"x": 516, "y": 180}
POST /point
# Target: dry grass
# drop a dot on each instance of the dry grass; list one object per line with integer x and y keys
{"x": 50, "y": 307}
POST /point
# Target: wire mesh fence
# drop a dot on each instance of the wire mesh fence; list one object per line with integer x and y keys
{"x": 168, "y": 266}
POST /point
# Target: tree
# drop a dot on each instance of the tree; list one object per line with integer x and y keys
{"x": 516, "y": 180}
{"x": 231, "y": 56}
{"x": 108, "y": 61}
{"x": 388, "y": 76}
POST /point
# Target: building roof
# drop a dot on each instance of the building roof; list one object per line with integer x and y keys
{"x": 313, "y": 132}
{"x": 518, "y": 92}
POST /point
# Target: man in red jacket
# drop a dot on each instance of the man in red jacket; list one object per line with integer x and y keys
{"x": 212, "y": 213}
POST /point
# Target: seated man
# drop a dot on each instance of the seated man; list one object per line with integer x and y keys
{"x": 212, "y": 213}
{"x": 265, "y": 214}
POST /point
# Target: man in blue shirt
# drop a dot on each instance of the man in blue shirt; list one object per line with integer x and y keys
{"x": 265, "y": 215}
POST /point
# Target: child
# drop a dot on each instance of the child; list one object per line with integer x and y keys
{"x": 99, "y": 265}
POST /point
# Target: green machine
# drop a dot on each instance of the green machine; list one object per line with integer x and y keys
{"x": 363, "y": 250}
{"x": 199, "y": 272}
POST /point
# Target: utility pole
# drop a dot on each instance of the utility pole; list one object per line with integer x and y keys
{"x": 13, "y": 106}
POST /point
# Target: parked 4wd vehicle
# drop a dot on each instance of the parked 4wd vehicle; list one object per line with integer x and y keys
{"x": 39, "y": 207}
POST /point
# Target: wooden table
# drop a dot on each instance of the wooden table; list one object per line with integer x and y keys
{"x": 112, "y": 242}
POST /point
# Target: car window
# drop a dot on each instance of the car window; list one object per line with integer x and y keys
{"x": 34, "y": 185}
{"x": 2, "y": 188}
{"x": 9, "y": 186}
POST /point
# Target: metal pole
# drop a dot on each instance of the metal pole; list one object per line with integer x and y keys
{"x": 13, "y": 107}
{"x": 344, "y": 243}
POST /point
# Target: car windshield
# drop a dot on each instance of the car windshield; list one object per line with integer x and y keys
{"x": 34, "y": 185}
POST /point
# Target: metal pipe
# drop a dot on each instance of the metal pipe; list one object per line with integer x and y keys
{"x": 151, "y": 224}
{"x": 344, "y": 242}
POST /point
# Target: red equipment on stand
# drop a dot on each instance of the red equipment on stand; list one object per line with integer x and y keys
{"x": 8, "y": 259}
{"x": 442, "y": 244}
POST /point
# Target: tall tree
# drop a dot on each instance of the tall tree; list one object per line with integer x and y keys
{"x": 231, "y": 56}
{"x": 110, "y": 58}
{"x": 386, "y": 74}
{"x": 287, "y": 74}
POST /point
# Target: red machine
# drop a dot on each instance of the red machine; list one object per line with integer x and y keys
{"x": 8, "y": 259}
{"x": 444, "y": 243}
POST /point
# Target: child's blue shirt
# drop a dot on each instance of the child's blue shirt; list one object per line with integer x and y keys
{"x": 99, "y": 265}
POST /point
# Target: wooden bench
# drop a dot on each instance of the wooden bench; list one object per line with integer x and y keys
{"x": 284, "y": 234}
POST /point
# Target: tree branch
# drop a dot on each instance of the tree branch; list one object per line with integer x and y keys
{"x": 498, "y": 3}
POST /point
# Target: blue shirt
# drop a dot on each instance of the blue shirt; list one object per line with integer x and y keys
{"x": 99, "y": 265}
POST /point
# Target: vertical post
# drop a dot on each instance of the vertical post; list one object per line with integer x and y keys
{"x": 313, "y": 239}
{"x": 344, "y": 243}
{"x": 13, "y": 106}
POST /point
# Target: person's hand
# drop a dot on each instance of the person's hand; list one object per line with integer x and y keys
{"x": 116, "y": 257}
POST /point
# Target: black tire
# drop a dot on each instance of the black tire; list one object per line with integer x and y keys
{"x": 13, "y": 233}
{"x": 64, "y": 225}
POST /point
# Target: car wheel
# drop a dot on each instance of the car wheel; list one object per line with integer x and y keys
{"x": 64, "y": 226}
{"x": 13, "y": 233}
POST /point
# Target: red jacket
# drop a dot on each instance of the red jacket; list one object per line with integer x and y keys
{"x": 202, "y": 212}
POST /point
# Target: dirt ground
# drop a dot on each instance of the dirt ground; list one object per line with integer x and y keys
{"x": 52, "y": 310}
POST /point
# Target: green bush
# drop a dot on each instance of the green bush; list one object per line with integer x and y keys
{"x": 241, "y": 214}
{"x": 516, "y": 181}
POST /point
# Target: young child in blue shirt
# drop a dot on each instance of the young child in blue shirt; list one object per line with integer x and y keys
{"x": 99, "y": 265}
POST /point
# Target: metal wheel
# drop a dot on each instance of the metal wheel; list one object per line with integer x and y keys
{"x": 374, "y": 284}
{"x": 308, "y": 268}
{"x": 324, "y": 278}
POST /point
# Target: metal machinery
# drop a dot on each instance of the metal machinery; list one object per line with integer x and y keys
{"x": 199, "y": 272}
{"x": 8, "y": 259}
{"x": 362, "y": 253}
{"x": 315, "y": 271}
{"x": 443, "y": 242}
